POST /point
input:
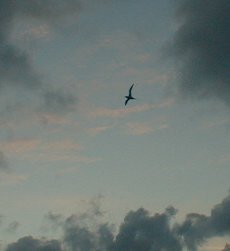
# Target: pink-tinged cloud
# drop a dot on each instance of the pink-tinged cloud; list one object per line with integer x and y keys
{"x": 65, "y": 157}
{"x": 139, "y": 128}
{"x": 143, "y": 128}
{"x": 35, "y": 32}
{"x": 67, "y": 171}
{"x": 60, "y": 146}
{"x": 19, "y": 146}
{"x": 97, "y": 130}
{"x": 122, "y": 112}
{"x": 217, "y": 123}
{"x": 54, "y": 119}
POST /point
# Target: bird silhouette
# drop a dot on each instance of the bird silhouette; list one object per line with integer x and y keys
{"x": 130, "y": 95}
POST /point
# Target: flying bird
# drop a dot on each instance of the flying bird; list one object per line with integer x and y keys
{"x": 130, "y": 95}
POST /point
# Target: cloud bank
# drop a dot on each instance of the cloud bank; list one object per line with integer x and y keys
{"x": 201, "y": 49}
{"x": 29, "y": 243}
{"x": 197, "y": 228}
{"x": 139, "y": 231}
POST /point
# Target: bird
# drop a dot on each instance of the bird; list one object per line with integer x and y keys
{"x": 130, "y": 95}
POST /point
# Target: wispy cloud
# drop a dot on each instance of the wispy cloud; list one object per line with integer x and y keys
{"x": 17, "y": 71}
{"x": 122, "y": 112}
{"x": 97, "y": 130}
{"x": 54, "y": 119}
{"x": 11, "y": 178}
{"x": 66, "y": 171}
{"x": 138, "y": 128}
{"x": 32, "y": 33}
{"x": 59, "y": 146}
{"x": 19, "y": 146}
{"x": 217, "y": 123}
{"x": 77, "y": 158}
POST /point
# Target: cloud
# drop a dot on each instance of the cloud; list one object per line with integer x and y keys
{"x": 30, "y": 243}
{"x": 57, "y": 100}
{"x": 18, "y": 146}
{"x": 97, "y": 130}
{"x": 83, "y": 232}
{"x": 3, "y": 162}
{"x": 16, "y": 68}
{"x": 140, "y": 230}
{"x": 139, "y": 128}
{"x": 197, "y": 228}
{"x": 12, "y": 227}
{"x": 201, "y": 49}
{"x": 122, "y": 112}
{"x": 61, "y": 146}
{"x": 12, "y": 178}
{"x": 47, "y": 118}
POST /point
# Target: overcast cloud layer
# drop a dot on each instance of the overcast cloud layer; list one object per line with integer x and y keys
{"x": 140, "y": 231}
{"x": 201, "y": 48}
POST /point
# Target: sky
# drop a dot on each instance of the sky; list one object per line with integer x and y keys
{"x": 81, "y": 171}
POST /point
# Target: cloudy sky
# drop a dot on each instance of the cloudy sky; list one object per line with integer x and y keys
{"x": 81, "y": 171}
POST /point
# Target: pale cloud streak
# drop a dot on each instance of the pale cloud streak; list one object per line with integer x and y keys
{"x": 61, "y": 146}
{"x": 32, "y": 33}
{"x": 122, "y": 112}
{"x": 19, "y": 146}
{"x": 10, "y": 178}
{"x": 54, "y": 119}
{"x": 139, "y": 129}
{"x": 216, "y": 123}
{"x": 97, "y": 130}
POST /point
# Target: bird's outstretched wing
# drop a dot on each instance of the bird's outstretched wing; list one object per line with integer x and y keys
{"x": 126, "y": 101}
{"x": 130, "y": 90}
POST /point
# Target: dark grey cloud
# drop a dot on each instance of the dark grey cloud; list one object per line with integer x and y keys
{"x": 83, "y": 232}
{"x": 17, "y": 72}
{"x": 52, "y": 221}
{"x": 197, "y": 228}
{"x": 201, "y": 48}
{"x": 140, "y": 231}
{"x": 29, "y": 243}
{"x": 81, "y": 238}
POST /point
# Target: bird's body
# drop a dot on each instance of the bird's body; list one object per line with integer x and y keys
{"x": 130, "y": 95}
